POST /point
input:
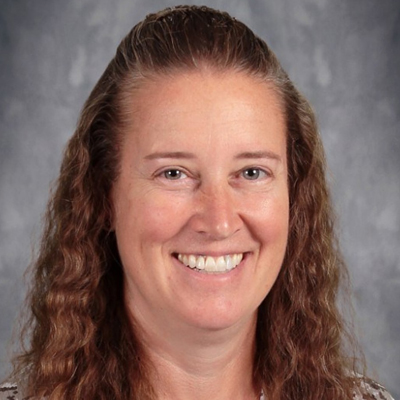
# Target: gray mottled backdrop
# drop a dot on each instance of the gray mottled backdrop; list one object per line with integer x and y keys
{"x": 343, "y": 54}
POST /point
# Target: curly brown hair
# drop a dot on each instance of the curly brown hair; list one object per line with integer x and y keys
{"x": 82, "y": 344}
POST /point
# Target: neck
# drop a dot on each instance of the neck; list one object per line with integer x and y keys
{"x": 195, "y": 364}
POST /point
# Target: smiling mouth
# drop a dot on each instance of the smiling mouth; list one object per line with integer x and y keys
{"x": 202, "y": 263}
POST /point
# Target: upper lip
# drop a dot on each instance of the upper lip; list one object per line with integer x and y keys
{"x": 211, "y": 253}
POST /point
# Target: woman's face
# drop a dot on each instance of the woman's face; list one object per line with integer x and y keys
{"x": 201, "y": 202}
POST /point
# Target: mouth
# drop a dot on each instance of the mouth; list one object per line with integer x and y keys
{"x": 209, "y": 264}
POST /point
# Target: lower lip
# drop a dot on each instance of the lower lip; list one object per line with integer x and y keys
{"x": 213, "y": 276}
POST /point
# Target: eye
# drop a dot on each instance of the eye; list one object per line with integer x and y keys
{"x": 253, "y": 174}
{"x": 173, "y": 174}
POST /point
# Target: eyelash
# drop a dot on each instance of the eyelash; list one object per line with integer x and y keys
{"x": 179, "y": 172}
{"x": 258, "y": 171}
{"x": 165, "y": 172}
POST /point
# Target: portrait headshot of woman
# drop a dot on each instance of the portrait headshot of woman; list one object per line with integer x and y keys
{"x": 193, "y": 245}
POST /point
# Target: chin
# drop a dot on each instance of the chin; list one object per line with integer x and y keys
{"x": 221, "y": 317}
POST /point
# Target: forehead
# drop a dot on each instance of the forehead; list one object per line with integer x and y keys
{"x": 151, "y": 91}
{"x": 195, "y": 103}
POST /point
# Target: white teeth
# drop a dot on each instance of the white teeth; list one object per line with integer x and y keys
{"x": 221, "y": 264}
{"x": 183, "y": 259}
{"x": 211, "y": 264}
{"x": 229, "y": 262}
{"x": 235, "y": 259}
{"x": 192, "y": 261}
{"x": 200, "y": 263}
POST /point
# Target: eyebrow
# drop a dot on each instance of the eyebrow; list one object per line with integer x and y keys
{"x": 172, "y": 154}
{"x": 189, "y": 156}
{"x": 258, "y": 155}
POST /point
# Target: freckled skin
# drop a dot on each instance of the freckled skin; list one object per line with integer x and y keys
{"x": 201, "y": 199}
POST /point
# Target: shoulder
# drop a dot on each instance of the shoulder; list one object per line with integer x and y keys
{"x": 8, "y": 391}
{"x": 371, "y": 390}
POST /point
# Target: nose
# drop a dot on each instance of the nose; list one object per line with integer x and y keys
{"x": 216, "y": 212}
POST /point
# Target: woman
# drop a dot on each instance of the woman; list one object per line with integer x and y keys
{"x": 188, "y": 251}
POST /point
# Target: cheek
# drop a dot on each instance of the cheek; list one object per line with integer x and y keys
{"x": 280, "y": 217}
{"x": 156, "y": 218}
{"x": 273, "y": 236}
{"x": 272, "y": 219}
